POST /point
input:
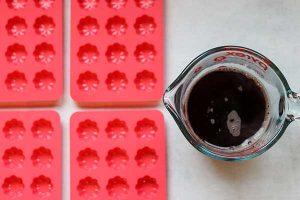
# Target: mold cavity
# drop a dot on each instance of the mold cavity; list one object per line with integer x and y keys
{"x": 88, "y": 159}
{"x": 44, "y": 53}
{"x": 16, "y": 54}
{"x": 145, "y": 25}
{"x": 44, "y": 4}
{"x": 13, "y": 158}
{"x": 42, "y": 158}
{"x": 88, "y": 130}
{"x": 117, "y": 187}
{"x": 145, "y": 4}
{"x": 42, "y": 186}
{"x": 147, "y": 187}
{"x": 44, "y": 26}
{"x": 117, "y": 158}
{"x": 116, "y": 4}
{"x": 116, "y": 26}
{"x": 16, "y": 4}
{"x": 14, "y": 129}
{"x": 13, "y": 187}
{"x": 42, "y": 129}
{"x": 146, "y": 157}
{"x": 116, "y": 53}
{"x": 116, "y": 81}
{"x": 16, "y": 81}
{"x": 145, "y": 53}
{"x": 146, "y": 129}
{"x": 88, "y": 188}
{"x": 145, "y": 80}
{"x": 116, "y": 129}
{"x": 88, "y": 26}
{"x": 88, "y": 54}
{"x": 16, "y": 26}
{"x": 88, "y": 4}
{"x": 44, "y": 80}
{"x": 88, "y": 81}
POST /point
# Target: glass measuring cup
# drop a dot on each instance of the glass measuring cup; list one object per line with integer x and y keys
{"x": 284, "y": 103}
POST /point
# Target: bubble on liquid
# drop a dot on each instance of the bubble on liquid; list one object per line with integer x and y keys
{"x": 210, "y": 110}
{"x": 225, "y": 99}
{"x": 240, "y": 88}
{"x": 212, "y": 121}
{"x": 234, "y": 123}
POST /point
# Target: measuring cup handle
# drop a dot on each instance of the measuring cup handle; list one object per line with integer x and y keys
{"x": 294, "y": 106}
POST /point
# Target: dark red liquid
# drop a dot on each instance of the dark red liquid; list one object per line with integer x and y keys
{"x": 217, "y": 94}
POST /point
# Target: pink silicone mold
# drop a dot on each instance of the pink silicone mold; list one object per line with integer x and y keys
{"x": 118, "y": 155}
{"x": 117, "y": 51}
{"x": 30, "y": 165}
{"x": 32, "y": 52}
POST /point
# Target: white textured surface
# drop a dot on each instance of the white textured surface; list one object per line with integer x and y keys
{"x": 272, "y": 27}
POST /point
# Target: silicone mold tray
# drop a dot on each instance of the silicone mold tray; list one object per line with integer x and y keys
{"x": 31, "y": 51}
{"x": 117, "y": 51}
{"x": 118, "y": 155}
{"x": 30, "y": 155}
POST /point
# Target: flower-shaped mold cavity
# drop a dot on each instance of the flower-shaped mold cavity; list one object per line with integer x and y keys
{"x": 147, "y": 187}
{"x": 88, "y": 54}
{"x": 44, "y": 4}
{"x": 116, "y": 129}
{"x": 88, "y": 81}
{"x": 88, "y": 159}
{"x": 146, "y": 157}
{"x": 88, "y": 130}
{"x": 145, "y": 4}
{"x": 116, "y": 4}
{"x": 116, "y": 26}
{"x": 117, "y": 187}
{"x": 42, "y": 129}
{"x": 117, "y": 158}
{"x": 13, "y": 158}
{"x": 116, "y": 53}
{"x": 44, "y": 26}
{"x": 88, "y": 4}
{"x": 13, "y": 187}
{"x": 145, "y": 52}
{"x": 16, "y": 26}
{"x": 116, "y": 81}
{"x": 14, "y": 129}
{"x": 44, "y": 53}
{"x": 16, "y": 81}
{"x": 44, "y": 80}
{"x": 42, "y": 186}
{"x": 42, "y": 158}
{"x": 16, "y": 54}
{"x": 88, "y": 26}
{"x": 145, "y": 25}
{"x": 145, "y": 80}
{"x": 88, "y": 188}
{"x": 16, "y": 4}
{"x": 146, "y": 128}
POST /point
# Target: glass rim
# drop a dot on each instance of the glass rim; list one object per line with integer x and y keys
{"x": 186, "y": 133}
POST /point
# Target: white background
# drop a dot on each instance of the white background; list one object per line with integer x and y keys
{"x": 271, "y": 27}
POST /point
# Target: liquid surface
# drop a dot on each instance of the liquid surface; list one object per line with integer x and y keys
{"x": 225, "y": 108}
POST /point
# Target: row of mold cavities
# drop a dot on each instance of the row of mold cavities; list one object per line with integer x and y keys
{"x": 116, "y": 26}
{"x": 118, "y": 187}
